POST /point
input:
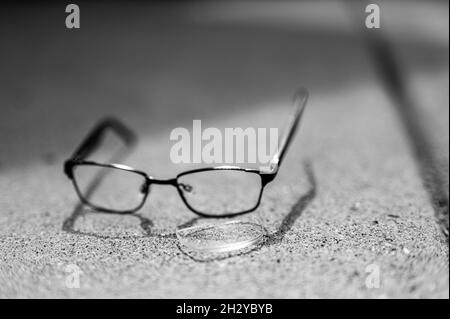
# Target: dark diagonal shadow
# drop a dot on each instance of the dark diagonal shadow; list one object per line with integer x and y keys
{"x": 412, "y": 120}
{"x": 270, "y": 239}
{"x": 298, "y": 208}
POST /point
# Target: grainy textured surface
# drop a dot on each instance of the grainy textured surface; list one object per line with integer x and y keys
{"x": 349, "y": 194}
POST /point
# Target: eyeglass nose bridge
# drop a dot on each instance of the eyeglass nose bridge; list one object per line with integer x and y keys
{"x": 170, "y": 181}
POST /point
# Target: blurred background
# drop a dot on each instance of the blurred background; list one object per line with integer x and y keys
{"x": 376, "y": 131}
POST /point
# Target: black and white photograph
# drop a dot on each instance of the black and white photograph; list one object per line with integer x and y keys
{"x": 224, "y": 154}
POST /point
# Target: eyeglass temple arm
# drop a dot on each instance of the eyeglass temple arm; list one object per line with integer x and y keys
{"x": 92, "y": 141}
{"x": 300, "y": 99}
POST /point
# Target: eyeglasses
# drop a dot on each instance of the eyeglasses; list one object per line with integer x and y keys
{"x": 221, "y": 191}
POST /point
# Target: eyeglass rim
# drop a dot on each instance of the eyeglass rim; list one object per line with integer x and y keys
{"x": 69, "y": 165}
{"x": 86, "y": 201}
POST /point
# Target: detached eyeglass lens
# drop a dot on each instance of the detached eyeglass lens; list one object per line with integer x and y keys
{"x": 221, "y": 237}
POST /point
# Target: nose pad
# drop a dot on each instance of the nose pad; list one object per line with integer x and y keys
{"x": 145, "y": 187}
{"x": 186, "y": 187}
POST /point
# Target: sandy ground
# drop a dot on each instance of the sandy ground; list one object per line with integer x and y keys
{"x": 349, "y": 198}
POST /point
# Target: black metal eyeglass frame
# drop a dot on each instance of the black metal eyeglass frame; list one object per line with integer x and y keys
{"x": 94, "y": 138}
